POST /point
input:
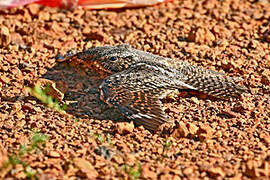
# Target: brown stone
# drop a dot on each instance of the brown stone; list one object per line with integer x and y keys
{"x": 192, "y": 128}
{"x": 44, "y": 16}
{"x": 236, "y": 177}
{"x": 3, "y": 160}
{"x": 180, "y": 131}
{"x": 205, "y": 132}
{"x": 209, "y": 36}
{"x": 86, "y": 167}
{"x": 266, "y": 36}
{"x": 124, "y": 127}
{"x": 251, "y": 168}
{"x": 33, "y": 8}
{"x": 188, "y": 171}
{"x": 54, "y": 154}
{"x": 16, "y": 38}
{"x": 192, "y": 35}
{"x": 148, "y": 173}
{"x": 195, "y": 100}
{"x": 86, "y": 30}
{"x": 216, "y": 172}
{"x": 201, "y": 35}
{"x": 265, "y": 137}
{"x": 266, "y": 77}
{"x": 118, "y": 159}
{"x": 267, "y": 58}
{"x": 5, "y": 37}
{"x": 51, "y": 88}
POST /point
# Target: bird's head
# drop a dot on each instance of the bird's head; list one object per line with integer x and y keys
{"x": 110, "y": 59}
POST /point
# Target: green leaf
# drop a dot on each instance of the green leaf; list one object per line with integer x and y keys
{"x": 30, "y": 173}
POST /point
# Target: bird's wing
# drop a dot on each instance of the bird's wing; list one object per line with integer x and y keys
{"x": 136, "y": 93}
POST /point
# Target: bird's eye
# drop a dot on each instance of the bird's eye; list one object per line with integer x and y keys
{"x": 113, "y": 58}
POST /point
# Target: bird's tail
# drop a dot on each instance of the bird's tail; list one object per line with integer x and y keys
{"x": 218, "y": 86}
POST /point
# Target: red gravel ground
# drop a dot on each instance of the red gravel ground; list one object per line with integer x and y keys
{"x": 209, "y": 139}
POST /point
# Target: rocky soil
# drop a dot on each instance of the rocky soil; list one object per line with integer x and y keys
{"x": 208, "y": 139}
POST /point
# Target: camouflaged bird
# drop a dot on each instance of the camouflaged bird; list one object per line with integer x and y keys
{"x": 136, "y": 81}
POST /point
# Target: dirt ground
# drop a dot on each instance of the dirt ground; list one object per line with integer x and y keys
{"x": 209, "y": 139}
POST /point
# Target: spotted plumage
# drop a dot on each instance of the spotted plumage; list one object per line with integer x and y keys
{"x": 136, "y": 81}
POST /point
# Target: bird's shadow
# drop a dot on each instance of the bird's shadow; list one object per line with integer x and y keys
{"x": 81, "y": 92}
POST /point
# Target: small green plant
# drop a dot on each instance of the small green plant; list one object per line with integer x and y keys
{"x": 42, "y": 95}
{"x": 30, "y": 173}
{"x": 13, "y": 160}
{"x": 102, "y": 138}
{"x": 99, "y": 137}
{"x": 38, "y": 140}
{"x": 134, "y": 172}
{"x": 166, "y": 146}
{"x": 109, "y": 139}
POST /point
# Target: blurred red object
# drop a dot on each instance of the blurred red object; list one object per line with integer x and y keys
{"x": 92, "y": 4}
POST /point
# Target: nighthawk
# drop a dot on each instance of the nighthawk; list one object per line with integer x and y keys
{"x": 135, "y": 81}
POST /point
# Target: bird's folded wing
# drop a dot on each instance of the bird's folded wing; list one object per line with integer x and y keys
{"x": 136, "y": 94}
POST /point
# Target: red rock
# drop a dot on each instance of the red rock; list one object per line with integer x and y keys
{"x": 44, "y": 16}
{"x": 96, "y": 35}
{"x": 86, "y": 167}
{"x": 195, "y": 100}
{"x": 209, "y": 36}
{"x": 251, "y": 169}
{"x": 210, "y": 4}
{"x": 266, "y": 77}
{"x": 131, "y": 159}
{"x": 166, "y": 176}
{"x": 118, "y": 159}
{"x": 33, "y": 8}
{"x": 26, "y": 16}
{"x": 192, "y": 35}
{"x": 176, "y": 177}
{"x": 201, "y": 36}
{"x": 188, "y": 171}
{"x": 86, "y": 30}
{"x": 180, "y": 131}
{"x": 5, "y": 37}
{"x": 17, "y": 39}
{"x": 266, "y": 36}
{"x": 56, "y": 27}
{"x": 54, "y": 154}
{"x": 216, "y": 172}
{"x": 267, "y": 58}
{"x": 229, "y": 113}
{"x": 124, "y": 127}
{"x": 192, "y": 128}
{"x": 3, "y": 160}
{"x": 148, "y": 173}
{"x": 3, "y": 116}
{"x": 266, "y": 138}
{"x": 237, "y": 177}
{"x": 205, "y": 132}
